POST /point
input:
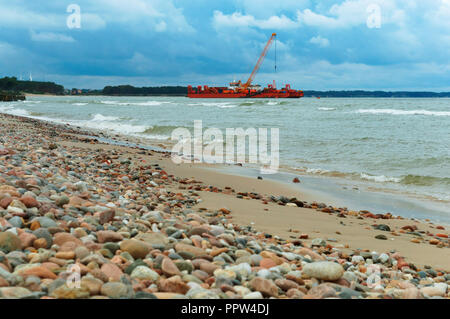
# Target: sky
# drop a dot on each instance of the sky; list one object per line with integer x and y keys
{"x": 321, "y": 45}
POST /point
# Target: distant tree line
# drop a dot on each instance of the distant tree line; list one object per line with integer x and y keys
{"x": 11, "y": 84}
{"x": 360, "y": 93}
{"x": 135, "y": 91}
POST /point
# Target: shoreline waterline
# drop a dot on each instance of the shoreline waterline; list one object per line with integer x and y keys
{"x": 334, "y": 191}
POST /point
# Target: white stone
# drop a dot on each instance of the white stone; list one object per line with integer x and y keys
{"x": 144, "y": 273}
{"x": 324, "y": 270}
{"x": 254, "y": 295}
{"x": 384, "y": 258}
{"x": 357, "y": 259}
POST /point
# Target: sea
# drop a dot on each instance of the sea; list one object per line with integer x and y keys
{"x": 387, "y": 149}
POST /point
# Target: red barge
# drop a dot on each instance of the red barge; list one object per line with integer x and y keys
{"x": 246, "y": 90}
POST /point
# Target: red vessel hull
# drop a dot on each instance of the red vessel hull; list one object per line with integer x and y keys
{"x": 224, "y": 93}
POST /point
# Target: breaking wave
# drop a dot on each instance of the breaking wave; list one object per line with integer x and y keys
{"x": 148, "y": 103}
{"x": 380, "y": 178}
{"x": 403, "y": 112}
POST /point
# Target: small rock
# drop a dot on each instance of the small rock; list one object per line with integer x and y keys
{"x": 9, "y": 242}
{"x": 115, "y": 290}
{"x": 144, "y": 273}
{"x": 136, "y": 248}
{"x": 324, "y": 270}
{"x": 264, "y": 286}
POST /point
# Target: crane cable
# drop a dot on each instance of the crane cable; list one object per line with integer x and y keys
{"x": 275, "y": 54}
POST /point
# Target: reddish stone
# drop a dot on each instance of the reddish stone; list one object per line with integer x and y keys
{"x": 286, "y": 284}
{"x": 4, "y": 203}
{"x": 65, "y": 255}
{"x": 68, "y": 246}
{"x": 29, "y": 201}
{"x": 106, "y": 216}
{"x": 35, "y": 225}
{"x": 434, "y": 241}
{"x": 267, "y": 263}
{"x": 169, "y": 268}
{"x": 61, "y": 238}
{"x": 112, "y": 271}
{"x": 294, "y": 294}
{"x": 173, "y": 284}
{"x": 264, "y": 286}
{"x": 322, "y": 291}
{"x": 105, "y": 236}
{"x": 40, "y": 243}
{"x": 208, "y": 267}
{"x": 27, "y": 239}
{"x": 410, "y": 228}
{"x": 306, "y": 251}
{"x": 40, "y": 272}
{"x": 3, "y": 282}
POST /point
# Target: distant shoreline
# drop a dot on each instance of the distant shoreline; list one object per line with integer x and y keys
{"x": 307, "y": 95}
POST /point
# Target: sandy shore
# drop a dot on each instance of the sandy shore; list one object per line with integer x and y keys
{"x": 287, "y": 222}
{"x": 328, "y": 233}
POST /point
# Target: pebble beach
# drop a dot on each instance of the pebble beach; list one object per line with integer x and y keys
{"x": 80, "y": 218}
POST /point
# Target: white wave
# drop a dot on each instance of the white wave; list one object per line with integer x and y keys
{"x": 31, "y": 102}
{"x": 221, "y": 105}
{"x": 14, "y": 111}
{"x": 317, "y": 171}
{"x": 403, "y": 112}
{"x": 226, "y": 106}
{"x": 80, "y": 104}
{"x": 380, "y": 178}
{"x": 148, "y": 103}
{"x": 101, "y": 117}
{"x": 326, "y": 108}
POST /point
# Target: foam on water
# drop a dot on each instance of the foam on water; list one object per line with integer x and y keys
{"x": 374, "y": 142}
{"x": 148, "y": 103}
{"x": 380, "y": 178}
{"x": 403, "y": 112}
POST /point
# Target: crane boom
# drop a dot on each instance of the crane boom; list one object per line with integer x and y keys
{"x": 260, "y": 61}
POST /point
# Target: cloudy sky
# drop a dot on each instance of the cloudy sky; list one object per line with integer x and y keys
{"x": 327, "y": 44}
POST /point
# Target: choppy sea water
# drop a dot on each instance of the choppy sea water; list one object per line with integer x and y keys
{"x": 391, "y": 145}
